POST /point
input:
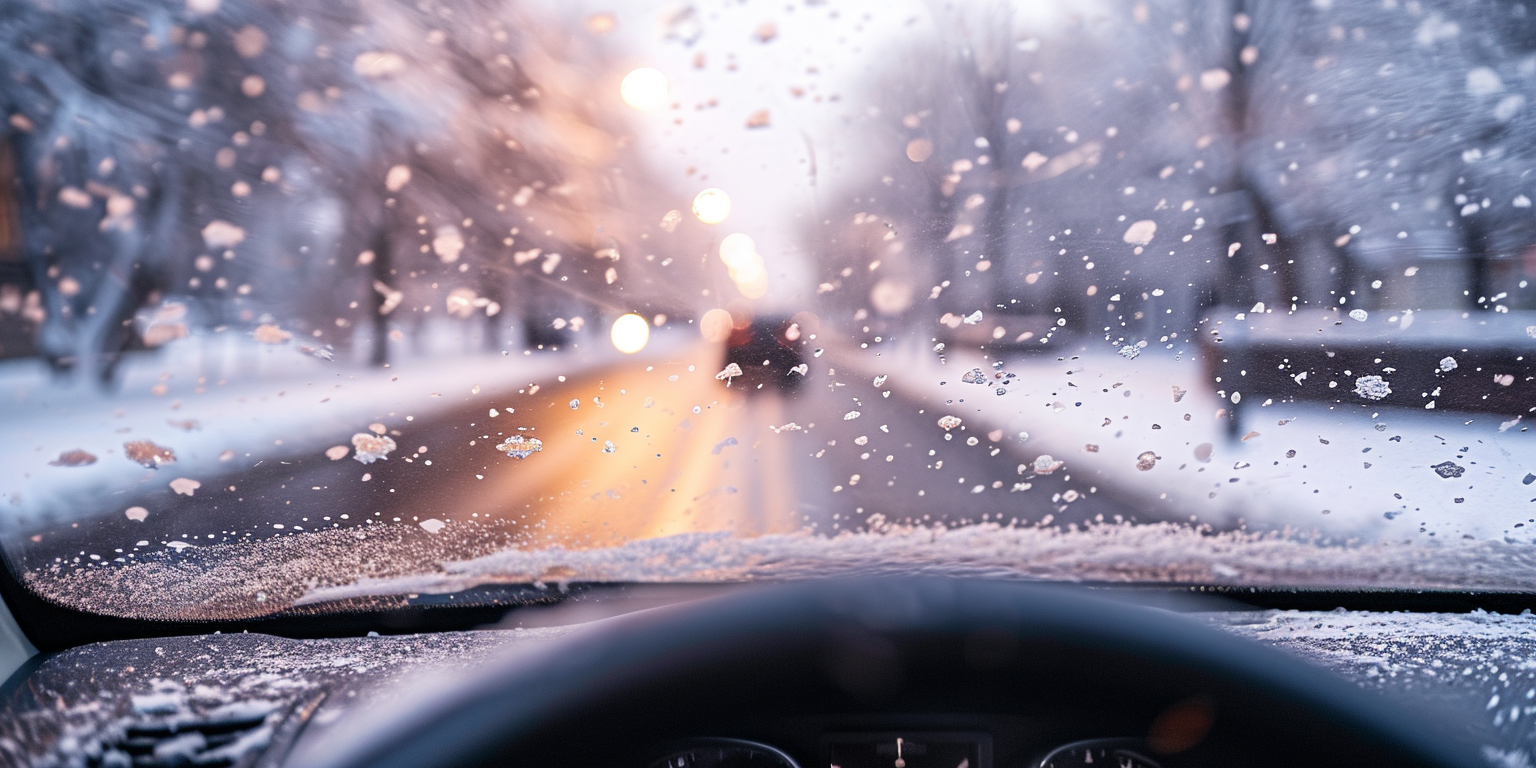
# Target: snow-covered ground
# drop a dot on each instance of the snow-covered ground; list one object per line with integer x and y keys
{"x": 226, "y": 397}
{"x": 1330, "y": 496}
{"x": 1343, "y": 470}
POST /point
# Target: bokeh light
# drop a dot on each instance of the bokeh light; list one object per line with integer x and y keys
{"x": 716, "y": 325}
{"x": 712, "y": 206}
{"x": 745, "y": 264}
{"x": 749, "y": 270}
{"x": 753, "y": 285}
{"x": 737, "y": 249}
{"x": 630, "y": 333}
{"x": 645, "y": 88}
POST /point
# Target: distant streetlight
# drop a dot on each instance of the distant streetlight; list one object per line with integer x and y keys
{"x": 716, "y": 325}
{"x": 746, "y": 265}
{"x": 712, "y": 206}
{"x": 737, "y": 249}
{"x": 645, "y": 89}
{"x": 630, "y": 333}
{"x": 753, "y": 284}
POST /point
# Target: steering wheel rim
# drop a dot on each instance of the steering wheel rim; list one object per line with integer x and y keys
{"x": 825, "y": 643}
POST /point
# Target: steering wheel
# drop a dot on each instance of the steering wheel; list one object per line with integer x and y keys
{"x": 875, "y": 647}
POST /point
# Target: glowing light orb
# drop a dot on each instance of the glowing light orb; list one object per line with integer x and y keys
{"x": 645, "y": 89}
{"x": 754, "y": 285}
{"x": 716, "y": 325}
{"x": 749, "y": 270}
{"x": 737, "y": 249}
{"x": 630, "y": 333}
{"x": 712, "y": 206}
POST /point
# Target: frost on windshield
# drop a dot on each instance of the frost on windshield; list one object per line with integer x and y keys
{"x": 148, "y": 454}
{"x": 673, "y": 291}
{"x": 520, "y": 447}
{"x": 368, "y": 448}
{"x": 1372, "y": 387}
{"x": 387, "y": 564}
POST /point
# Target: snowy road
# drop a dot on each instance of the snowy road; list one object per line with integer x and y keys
{"x": 632, "y": 447}
{"x": 689, "y": 454}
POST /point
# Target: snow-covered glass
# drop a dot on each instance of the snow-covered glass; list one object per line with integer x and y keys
{"x": 320, "y": 306}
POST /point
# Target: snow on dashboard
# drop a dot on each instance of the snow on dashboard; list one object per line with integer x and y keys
{"x": 245, "y": 691}
{"x": 349, "y": 569}
{"x": 1480, "y": 664}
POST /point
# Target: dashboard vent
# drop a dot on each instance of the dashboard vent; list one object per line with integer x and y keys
{"x": 171, "y": 735}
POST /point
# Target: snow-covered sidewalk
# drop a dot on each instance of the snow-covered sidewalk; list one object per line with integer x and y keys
{"x": 281, "y": 397}
{"x": 1152, "y": 430}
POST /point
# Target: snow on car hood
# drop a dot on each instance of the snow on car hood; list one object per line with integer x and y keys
{"x": 391, "y": 563}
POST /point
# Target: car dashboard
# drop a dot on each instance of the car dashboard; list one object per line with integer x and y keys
{"x": 247, "y": 699}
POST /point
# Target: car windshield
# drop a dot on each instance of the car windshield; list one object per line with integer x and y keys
{"x": 315, "y": 305}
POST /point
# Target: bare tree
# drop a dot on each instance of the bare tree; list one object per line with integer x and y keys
{"x": 326, "y": 164}
{"x": 1040, "y": 148}
{"x": 1123, "y": 168}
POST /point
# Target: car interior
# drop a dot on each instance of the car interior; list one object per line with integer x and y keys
{"x": 767, "y": 383}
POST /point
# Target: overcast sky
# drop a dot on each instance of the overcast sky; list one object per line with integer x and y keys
{"x": 826, "y": 50}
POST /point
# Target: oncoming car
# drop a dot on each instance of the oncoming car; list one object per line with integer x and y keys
{"x": 767, "y": 352}
{"x": 991, "y": 384}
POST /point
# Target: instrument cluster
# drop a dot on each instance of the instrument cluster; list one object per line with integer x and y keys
{"x": 899, "y": 749}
